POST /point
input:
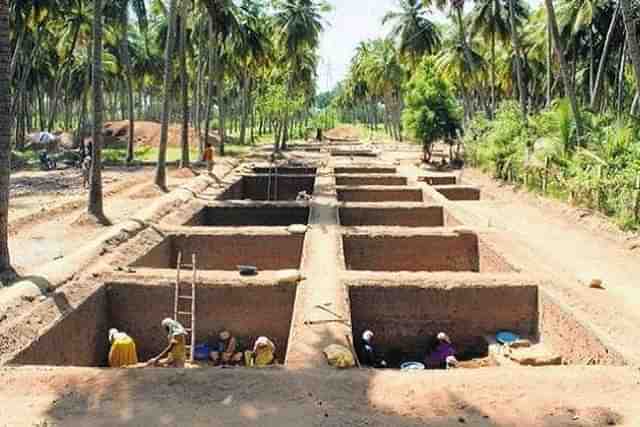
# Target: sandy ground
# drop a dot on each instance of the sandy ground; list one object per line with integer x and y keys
{"x": 550, "y": 397}
{"x": 539, "y": 238}
{"x": 45, "y": 208}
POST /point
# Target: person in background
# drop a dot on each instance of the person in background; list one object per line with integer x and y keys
{"x": 208, "y": 157}
{"x": 442, "y": 354}
{"x": 86, "y": 171}
{"x": 225, "y": 350}
{"x": 123, "y": 349}
{"x": 264, "y": 351}
{"x": 175, "y": 354}
{"x": 370, "y": 355}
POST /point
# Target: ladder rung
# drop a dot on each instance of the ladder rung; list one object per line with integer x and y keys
{"x": 186, "y": 313}
{"x": 187, "y": 329}
{"x": 185, "y": 297}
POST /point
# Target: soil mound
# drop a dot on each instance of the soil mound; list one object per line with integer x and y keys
{"x": 147, "y": 133}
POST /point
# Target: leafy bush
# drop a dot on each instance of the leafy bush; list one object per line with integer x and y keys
{"x": 598, "y": 172}
{"x": 430, "y": 112}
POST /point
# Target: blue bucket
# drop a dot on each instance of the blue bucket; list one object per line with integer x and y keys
{"x": 201, "y": 352}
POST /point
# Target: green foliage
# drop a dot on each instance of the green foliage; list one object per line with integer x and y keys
{"x": 599, "y": 174}
{"x": 430, "y": 109}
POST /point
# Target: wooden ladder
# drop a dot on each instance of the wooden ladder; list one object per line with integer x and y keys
{"x": 184, "y": 309}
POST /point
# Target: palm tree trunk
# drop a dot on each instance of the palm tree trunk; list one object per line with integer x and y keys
{"x": 128, "y": 74}
{"x": 549, "y": 64}
{"x": 515, "y": 39}
{"x": 161, "y": 168}
{"x": 5, "y": 137}
{"x": 493, "y": 74}
{"x": 244, "y": 103}
{"x": 184, "y": 82}
{"x": 597, "y": 89}
{"x": 631, "y": 26}
{"x": 220, "y": 96}
{"x": 564, "y": 67}
{"x": 623, "y": 62}
{"x": 95, "y": 182}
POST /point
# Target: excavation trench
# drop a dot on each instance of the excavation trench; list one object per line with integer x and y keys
{"x": 226, "y": 251}
{"x": 363, "y": 170}
{"x": 250, "y": 215}
{"x": 272, "y": 187}
{"x": 360, "y": 180}
{"x": 458, "y": 192}
{"x": 379, "y": 194}
{"x": 429, "y": 251}
{"x": 80, "y": 338}
{"x": 406, "y": 318}
{"x": 354, "y": 214}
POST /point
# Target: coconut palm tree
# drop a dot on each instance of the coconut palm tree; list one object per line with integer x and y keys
{"x": 491, "y": 19}
{"x": 415, "y": 34}
{"x": 299, "y": 24}
{"x": 630, "y": 15}
{"x": 161, "y": 168}
{"x": 95, "y": 183}
{"x": 564, "y": 67}
{"x": 5, "y": 137}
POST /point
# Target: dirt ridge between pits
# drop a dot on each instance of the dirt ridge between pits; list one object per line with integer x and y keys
{"x": 16, "y": 298}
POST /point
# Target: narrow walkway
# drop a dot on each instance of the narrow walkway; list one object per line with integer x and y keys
{"x": 322, "y": 314}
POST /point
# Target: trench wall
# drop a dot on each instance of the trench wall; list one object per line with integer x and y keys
{"x": 427, "y": 216}
{"x": 458, "y": 193}
{"x": 285, "y": 170}
{"x": 247, "y": 312}
{"x": 404, "y": 317}
{"x": 363, "y": 170}
{"x": 439, "y": 180}
{"x": 379, "y": 195}
{"x": 249, "y": 216}
{"x": 78, "y": 339}
{"x": 226, "y": 252}
{"x": 573, "y": 340}
{"x": 256, "y": 187}
{"x": 355, "y": 180}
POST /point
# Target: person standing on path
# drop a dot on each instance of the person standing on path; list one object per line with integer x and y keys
{"x": 208, "y": 158}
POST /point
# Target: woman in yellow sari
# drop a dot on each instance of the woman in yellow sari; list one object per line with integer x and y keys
{"x": 264, "y": 351}
{"x": 123, "y": 349}
{"x": 175, "y": 354}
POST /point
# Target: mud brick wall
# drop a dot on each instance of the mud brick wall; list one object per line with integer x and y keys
{"x": 439, "y": 180}
{"x": 286, "y": 187}
{"x": 403, "y": 318}
{"x": 286, "y": 170}
{"x": 379, "y": 195}
{"x": 363, "y": 170}
{"x": 250, "y": 216}
{"x": 226, "y": 252}
{"x": 80, "y": 338}
{"x": 491, "y": 262}
{"x": 428, "y": 216}
{"x": 570, "y": 338}
{"x": 446, "y": 252}
{"x": 355, "y": 180}
{"x": 247, "y": 312}
{"x": 458, "y": 193}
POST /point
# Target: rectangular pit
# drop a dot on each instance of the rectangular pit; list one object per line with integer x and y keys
{"x": 360, "y": 180}
{"x": 415, "y": 216}
{"x": 439, "y": 180}
{"x": 379, "y": 194}
{"x": 458, "y": 192}
{"x": 404, "y": 317}
{"x": 364, "y": 170}
{"x": 246, "y": 216}
{"x": 227, "y": 251}
{"x": 80, "y": 338}
{"x": 269, "y": 187}
{"x": 285, "y": 170}
{"x": 435, "y": 251}
{"x": 353, "y": 153}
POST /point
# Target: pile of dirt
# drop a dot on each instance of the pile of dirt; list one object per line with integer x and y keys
{"x": 343, "y": 133}
{"x": 147, "y": 133}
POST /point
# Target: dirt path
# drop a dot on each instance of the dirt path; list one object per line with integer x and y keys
{"x": 58, "y": 233}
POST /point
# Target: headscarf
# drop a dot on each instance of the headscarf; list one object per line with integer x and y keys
{"x": 174, "y": 327}
{"x": 367, "y": 335}
{"x": 224, "y": 335}
{"x": 115, "y": 334}
{"x": 444, "y": 337}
